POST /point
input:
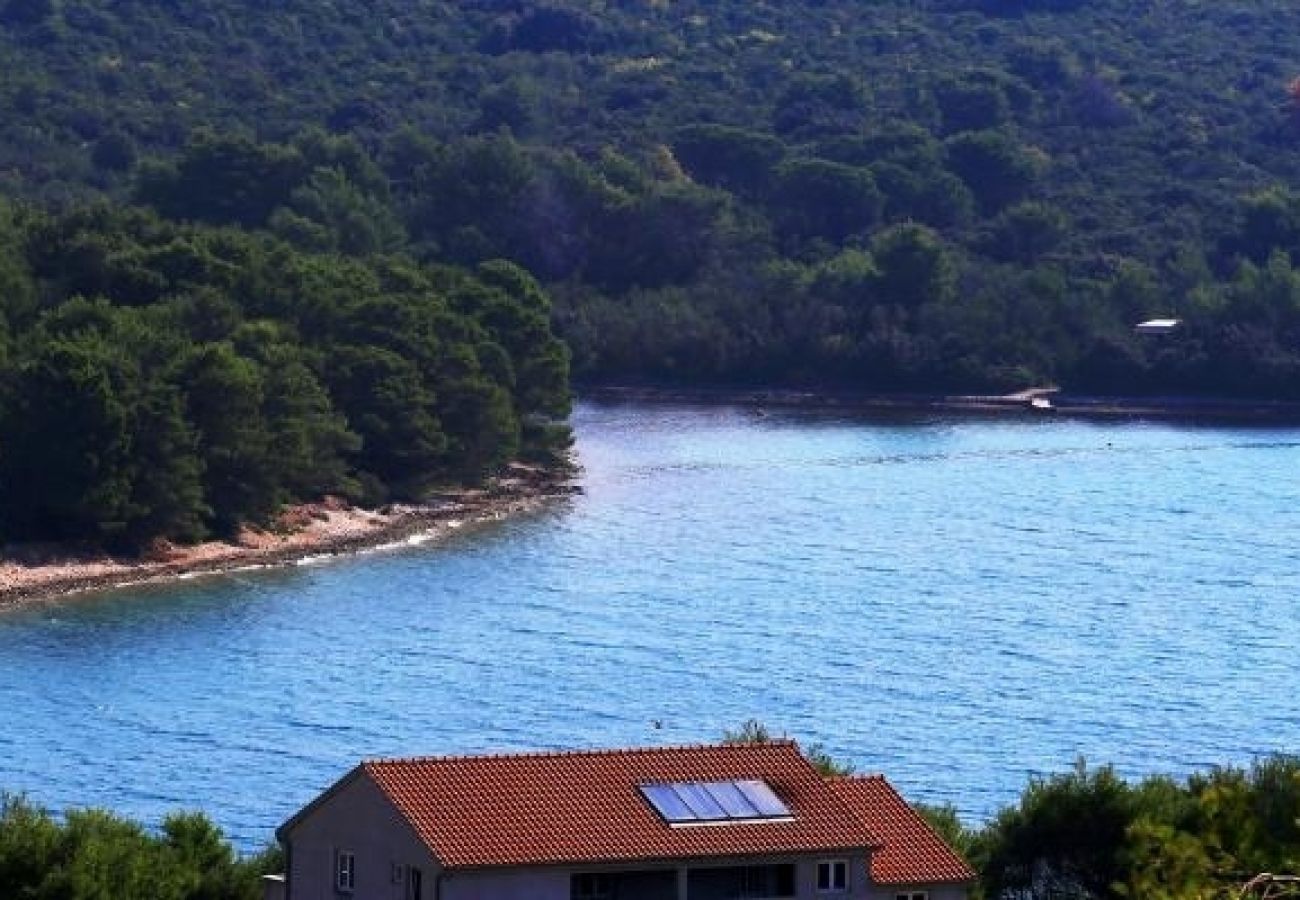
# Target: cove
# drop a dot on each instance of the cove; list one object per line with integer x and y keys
{"x": 956, "y": 602}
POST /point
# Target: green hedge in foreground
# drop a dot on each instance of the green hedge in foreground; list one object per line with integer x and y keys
{"x": 94, "y": 855}
{"x": 1088, "y": 833}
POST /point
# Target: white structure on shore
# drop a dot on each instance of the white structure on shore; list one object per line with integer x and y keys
{"x": 1158, "y": 326}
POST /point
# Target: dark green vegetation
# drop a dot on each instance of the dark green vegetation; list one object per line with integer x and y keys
{"x": 94, "y": 855}
{"x": 163, "y": 379}
{"x": 268, "y": 262}
{"x": 966, "y": 194}
{"x": 1084, "y": 834}
{"x": 1090, "y": 834}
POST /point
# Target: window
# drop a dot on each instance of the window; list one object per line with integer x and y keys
{"x": 832, "y": 876}
{"x": 345, "y": 871}
{"x": 591, "y": 886}
{"x": 414, "y": 884}
{"x": 751, "y": 881}
{"x": 912, "y": 895}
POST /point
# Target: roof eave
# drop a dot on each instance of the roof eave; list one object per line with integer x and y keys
{"x": 664, "y": 861}
{"x": 282, "y": 833}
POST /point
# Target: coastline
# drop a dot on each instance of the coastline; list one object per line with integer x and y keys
{"x": 1033, "y": 402}
{"x": 36, "y": 573}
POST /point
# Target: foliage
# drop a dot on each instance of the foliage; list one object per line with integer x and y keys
{"x": 753, "y": 731}
{"x": 218, "y": 374}
{"x": 682, "y": 176}
{"x": 259, "y": 278}
{"x": 1066, "y": 837}
{"x": 1084, "y": 834}
{"x": 1088, "y": 833}
{"x": 91, "y": 854}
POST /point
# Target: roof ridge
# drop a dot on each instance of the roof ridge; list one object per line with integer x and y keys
{"x": 574, "y": 752}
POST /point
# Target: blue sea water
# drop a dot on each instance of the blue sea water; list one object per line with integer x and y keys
{"x": 958, "y": 603}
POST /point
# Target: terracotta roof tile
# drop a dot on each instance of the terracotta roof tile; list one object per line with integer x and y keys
{"x": 582, "y": 807}
{"x": 913, "y": 853}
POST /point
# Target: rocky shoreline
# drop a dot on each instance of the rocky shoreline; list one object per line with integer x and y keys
{"x": 1046, "y": 401}
{"x": 33, "y": 573}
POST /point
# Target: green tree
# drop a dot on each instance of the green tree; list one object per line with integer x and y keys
{"x": 996, "y": 167}
{"x": 115, "y": 152}
{"x": 969, "y": 103}
{"x": 516, "y": 313}
{"x": 17, "y": 289}
{"x": 95, "y": 855}
{"x": 1068, "y": 836}
{"x": 168, "y": 493}
{"x": 107, "y": 857}
{"x": 308, "y": 442}
{"x": 813, "y": 198}
{"x": 225, "y": 178}
{"x": 328, "y": 213}
{"x": 914, "y": 267}
{"x": 726, "y": 157}
{"x": 225, "y": 396}
{"x": 753, "y": 731}
{"x": 388, "y": 404}
{"x": 66, "y": 462}
{"x": 29, "y": 845}
{"x": 1025, "y": 232}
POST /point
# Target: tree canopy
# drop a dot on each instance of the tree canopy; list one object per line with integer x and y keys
{"x": 309, "y": 247}
{"x": 92, "y": 854}
{"x": 176, "y": 380}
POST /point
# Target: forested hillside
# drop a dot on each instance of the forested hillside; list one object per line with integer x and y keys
{"x": 952, "y": 194}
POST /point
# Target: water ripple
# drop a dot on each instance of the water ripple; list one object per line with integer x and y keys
{"x": 956, "y": 603}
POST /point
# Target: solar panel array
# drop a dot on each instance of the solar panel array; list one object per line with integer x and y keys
{"x": 684, "y": 802}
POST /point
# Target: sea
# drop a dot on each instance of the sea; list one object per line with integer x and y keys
{"x": 961, "y": 603}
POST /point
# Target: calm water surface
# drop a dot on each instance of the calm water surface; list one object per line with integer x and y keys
{"x": 955, "y": 602}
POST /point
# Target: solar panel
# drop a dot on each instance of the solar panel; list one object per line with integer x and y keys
{"x": 665, "y": 800}
{"x": 763, "y": 799}
{"x": 698, "y": 798}
{"x": 732, "y": 800}
{"x": 686, "y": 802}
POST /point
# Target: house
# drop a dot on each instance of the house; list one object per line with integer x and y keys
{"x": 680, "y": 823}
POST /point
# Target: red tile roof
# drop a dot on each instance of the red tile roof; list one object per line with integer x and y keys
{"x": 585, "y": 807}
{"x": 913, "y": 853}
